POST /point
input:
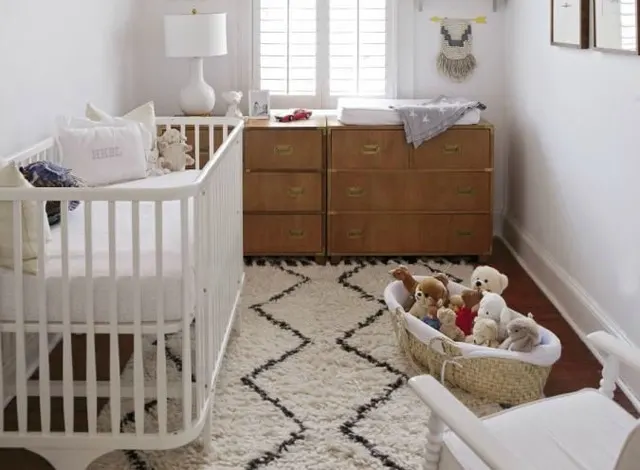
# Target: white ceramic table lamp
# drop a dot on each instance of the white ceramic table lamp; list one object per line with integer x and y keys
{"x": 196, "y": 36}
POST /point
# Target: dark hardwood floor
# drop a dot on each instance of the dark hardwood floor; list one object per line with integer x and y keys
{"x": 576, "y": 369}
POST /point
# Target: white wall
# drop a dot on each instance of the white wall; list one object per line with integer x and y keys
{"x": 57, "y": 55}
{"x": 487, "y": 84}
{"x": 573, "y": 172}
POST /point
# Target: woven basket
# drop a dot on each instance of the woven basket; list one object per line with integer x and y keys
{"x": 507, "y": 380}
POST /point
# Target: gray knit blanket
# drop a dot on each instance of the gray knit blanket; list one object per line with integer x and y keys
{"x": 425, "y": 121}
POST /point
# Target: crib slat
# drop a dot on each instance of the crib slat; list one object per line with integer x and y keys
{"x": 212, "y": 150}
{"x": 199, "y": 259}
{"x": 43, "y": 337}
{"x": 114, "y": 352}
{"x": 225, "y": 132}
{"x": 161, "y": 358}
{"x": 196, "y": 147}
{"x": 92, "y": 394}
{"x": 67, "y": 360}
{"x": 18, "y": 292}
{"x": 138, "y": 366}
{"x": 186, "y": 316}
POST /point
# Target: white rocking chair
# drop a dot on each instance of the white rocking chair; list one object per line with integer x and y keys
{"x": 583, "y": 430}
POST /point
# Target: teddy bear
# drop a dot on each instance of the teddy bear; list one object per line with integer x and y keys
{"x": 523, "y": 335}
{"x": 464, "y": 314}
{"x": 448, "y": 327}
{"x": 173, "y": 148}
{"x": 431, "y": 294}
{"x": 233, "y": 99}
{"x": 493, "y": 306}
{"x": 485, "y": 333}
{"x": 484, "y": 279}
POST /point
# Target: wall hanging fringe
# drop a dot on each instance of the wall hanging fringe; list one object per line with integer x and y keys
{"x": 456, "y": 60}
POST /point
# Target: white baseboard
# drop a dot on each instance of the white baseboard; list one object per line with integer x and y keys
{"x": 573, "y": 302}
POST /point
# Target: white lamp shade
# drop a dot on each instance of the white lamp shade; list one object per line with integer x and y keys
{"x": 199, "y": 35}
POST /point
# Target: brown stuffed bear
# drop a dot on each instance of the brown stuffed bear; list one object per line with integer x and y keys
{"x": 431, "y": 294}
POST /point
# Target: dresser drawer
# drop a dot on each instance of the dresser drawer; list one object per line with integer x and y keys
{"x": 372, "y": 149}
{"x": 286, "y": 192}
{"x": 455, "y": 149}
{"x": 283, "y": 149}
{"x": 391, "y": 234}
{"x": 409, "y": 191}
{"x": 283, "y": 234}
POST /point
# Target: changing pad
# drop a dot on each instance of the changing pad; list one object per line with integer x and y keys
{"x": 380, "y": 112}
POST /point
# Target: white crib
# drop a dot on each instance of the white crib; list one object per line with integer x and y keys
{"x": 170, "y": 257}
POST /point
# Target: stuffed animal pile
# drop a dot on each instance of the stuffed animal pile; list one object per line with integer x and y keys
{"x": 479, "y": 315}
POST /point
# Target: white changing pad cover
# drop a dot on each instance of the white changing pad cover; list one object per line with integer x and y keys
{"x": 379, "y": 112}
{"x": 171, "y": 258}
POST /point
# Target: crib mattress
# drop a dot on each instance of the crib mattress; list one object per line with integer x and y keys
{"x": 379, "y": 112}
{"x": 171, "y": 259}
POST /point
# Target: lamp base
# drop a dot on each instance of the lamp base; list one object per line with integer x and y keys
{"x": 197, "y": 98}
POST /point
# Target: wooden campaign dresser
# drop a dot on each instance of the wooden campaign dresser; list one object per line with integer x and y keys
{"x": 387, "y": 198}
{"x": 285, "y": 188}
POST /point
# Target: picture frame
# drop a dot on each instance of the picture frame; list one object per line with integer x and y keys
{"x": 616, "y": 26}
{"x": 259, "y": 104}
{"x": 570, "y": 23}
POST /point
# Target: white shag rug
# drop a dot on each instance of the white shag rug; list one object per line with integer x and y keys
{"x": 313, "y": 377}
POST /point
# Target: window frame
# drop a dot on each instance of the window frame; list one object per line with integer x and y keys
{"x": 322, "y": 99}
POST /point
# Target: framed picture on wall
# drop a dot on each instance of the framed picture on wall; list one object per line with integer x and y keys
{"x": 615, "y": 26}
{"x": 570, "y": 23}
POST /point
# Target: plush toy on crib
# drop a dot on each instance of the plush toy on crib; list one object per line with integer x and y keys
{"x": 173, "y": 148}
{"x": 448, "y": 327}
{"x": 523, "y": 335}
{"x": 485, "y": 333}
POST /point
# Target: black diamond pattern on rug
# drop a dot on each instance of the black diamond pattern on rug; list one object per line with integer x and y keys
{"x": 249, "y": 380}
{"x": 347, "y": 428}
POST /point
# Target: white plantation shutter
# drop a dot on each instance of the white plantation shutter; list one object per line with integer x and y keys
{"x": 288, "y": 46}
{"x": 310, "y": 52}
{"x": 628, "y": 29}
{"x": 358, "y": 47}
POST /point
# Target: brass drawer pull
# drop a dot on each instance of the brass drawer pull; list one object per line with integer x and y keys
{"x": 296, "y": 233}
{"x": 465, "y": 190}
{"x": 355, "y": 191}
{"x": 283, "y": 150}
{"x": 354, "y": 234}
{"x": 465, "y": 233}
{"x": 296, "y": 191}
{"x": 452, "y": 148}
{"x": 370, "y": 149}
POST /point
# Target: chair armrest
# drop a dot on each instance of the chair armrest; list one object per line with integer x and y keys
{"x": 467, "y": 426}
{"x": 616, "y": 347}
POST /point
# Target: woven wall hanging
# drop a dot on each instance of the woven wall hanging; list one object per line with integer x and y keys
{"x": 456, "y": 60}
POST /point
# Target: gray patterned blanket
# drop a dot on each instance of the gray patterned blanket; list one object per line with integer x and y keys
{"x": 425, "y": 121}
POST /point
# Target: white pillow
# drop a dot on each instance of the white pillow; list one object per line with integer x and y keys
{"x": 10, "y": 177}
{"x": 103, "y": 155}
{"x": 76, "y": 122}
{"x": 145, "y": 114}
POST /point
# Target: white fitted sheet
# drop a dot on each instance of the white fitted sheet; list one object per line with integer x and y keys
{"x": 378, "y": 112}
{"x": 171, "y": 258}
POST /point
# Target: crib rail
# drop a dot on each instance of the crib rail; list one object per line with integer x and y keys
{"x": 160, "y": 269}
